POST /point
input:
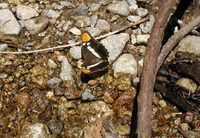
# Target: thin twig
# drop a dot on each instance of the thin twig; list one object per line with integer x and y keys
{"x": 167, "y": 48}
{"x": 183, "y": 133}
{"x": 17, "y": 46}
{"x": 182, "y": 24}
{"x": 78, "y": 43}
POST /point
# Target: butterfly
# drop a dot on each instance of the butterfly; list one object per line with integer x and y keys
{"x": 94, "y": 54}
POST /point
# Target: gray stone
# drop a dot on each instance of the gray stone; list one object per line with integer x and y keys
{"x": 141, "y": 12}
{"x": 8, "y": 23}
{"x": 75, "y": 52}
{"x": 52, "y": 14}
{"x": 103, "y": 25}
{"x": 67, "y": 4}
{"x": 67, "y": 71}
{"x": 36, "y": 25}
{"x": 190, "y": 44}
{"x": 94, "y": 7}
{"x": 82, "y": 6}
{"x": 52, "y": 64}
{"x": 125, "y": 64}
{"x": 25, "y": 12}
{"x": 115, "y": 44}
{"x": 121, "y": 8}
{"x": 93, "y": 20}
{"x": 93, "y": 31}
{"x": 66, "y": 25}
{"x": 87, "y": 95}
{"x": 53, "y": 82}
{"x": 104, "y": 2}
{"x": 37, "y": 130}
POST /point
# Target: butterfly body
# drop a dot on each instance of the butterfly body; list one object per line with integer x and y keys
{"x": 94, "y": 54}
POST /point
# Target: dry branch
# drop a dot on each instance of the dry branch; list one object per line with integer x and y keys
{"x": 167, "y": 48}
{"x": 149, "y": 70}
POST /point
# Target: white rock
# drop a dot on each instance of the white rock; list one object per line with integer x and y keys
{"x": 141, "y": 12}
{"x": 3, "y": 47}
{"x": 188, "y": 84}
{"x": 162, "y": 103}
{"x": 4, "y": 5}
{"x": 133, "y": 5}
{"x": 75, "y": 52}
{"x": 190, "y": 44}
{"x": 8, "y": 23}
{"x": 52, "y": 14}
{"x": 37, "y": 130}
{"x": 115, "y": 44}
{"x": 75, "y": 31}
{"x": 125, "y": 64}
{"x": 142, "y": 39}
{"x": 134, "y": 18}
{"x": 132, "y": 2}
{"x": 25, "y": 12}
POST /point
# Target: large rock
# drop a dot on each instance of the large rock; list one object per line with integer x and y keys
{"x": 115, "y": 44}
{"x": 8, "y": 23}
{"x": 190, "y": 44}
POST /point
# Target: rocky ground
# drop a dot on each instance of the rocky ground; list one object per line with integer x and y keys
{"x": 42, "y": 94}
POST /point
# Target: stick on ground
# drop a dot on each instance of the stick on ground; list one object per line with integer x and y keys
{"x": 148, "y": 76}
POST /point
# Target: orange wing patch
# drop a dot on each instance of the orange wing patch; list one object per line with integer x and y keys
{"x": 86, "y": 37}
{"x": 85, "y": 70}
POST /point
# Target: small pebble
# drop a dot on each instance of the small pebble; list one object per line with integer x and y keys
{"x": 134, "y": 18}
{"x": 162, "y": 103}
{"x": 142, "y": 39}
{"x": 141, "y": 12}
{"x": 3, "y": 47}
{"x": 75, "y": 31}
{"x": 75, "y": 52}
{"x": 121, "y": 8}
{"x": 94, "y": 7}
{"x": 87, "y": 95}
{"x": 103, "y": 25}
{"x": 52, "y": 14}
